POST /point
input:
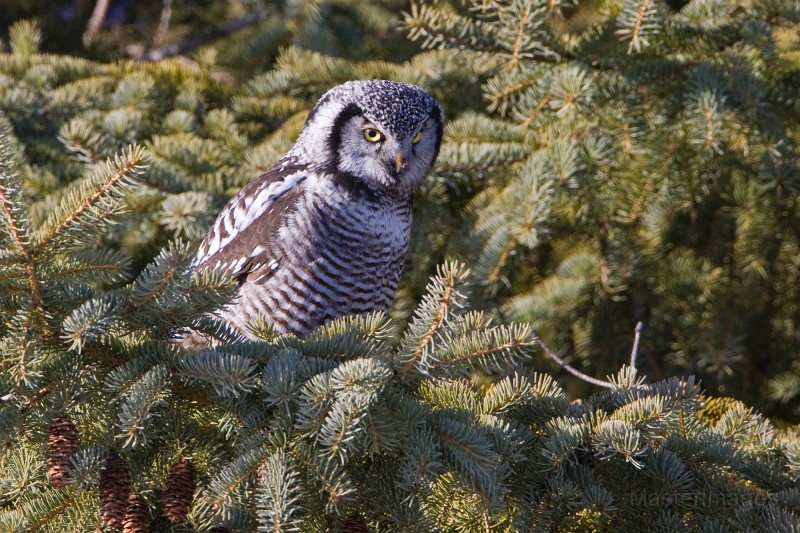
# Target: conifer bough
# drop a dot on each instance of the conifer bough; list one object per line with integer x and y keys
{"x": 449, "y": 425}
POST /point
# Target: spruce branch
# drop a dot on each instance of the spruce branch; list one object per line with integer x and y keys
{"x": 326, "y": 474}
{"x": 471, "y": 454}
{"x": 663, "y": 70}
{"x": 224, "y": 485}
{"x": 23, "y": 365}
{"x": 90, "y": 266}
{"x": 278, "y": 496}
{"x": 14, "y": 224}
{"x": 139, "y": 404}
{"x": 41, "y": 510}
{"x": 503, "y": 89}
{"x": 125, "y": 167}
{"x": 522, "y": 30}
{"x": 486, "y": 348}
{"x": 442, "y": 294}
{"x": 25, "y": 37}
{"x": 229, "y": 374}
{"x": 94, "y": 321}
{"x": 83, "y": 140}
{"x": 437, "y": 28}
{"x": 357, "y": 386}
{"x": 639, "y": 20}
{"x": 495, "y": 256}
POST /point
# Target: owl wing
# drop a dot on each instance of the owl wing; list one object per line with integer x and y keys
{"x": 240, "y": 241}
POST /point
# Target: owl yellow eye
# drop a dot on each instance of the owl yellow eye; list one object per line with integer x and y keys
{"x": 373, "y": 136}
{"x": 417, "y": 137}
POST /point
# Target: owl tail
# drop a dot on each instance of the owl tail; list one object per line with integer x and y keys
{"x": 209, "y": 331}
{"x": 194, "y": 341}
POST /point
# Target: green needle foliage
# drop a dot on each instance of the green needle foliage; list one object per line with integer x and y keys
{"x": 604, "y": 164}
{"x": 641, "y": 165}
{"x": 297, "y": 435}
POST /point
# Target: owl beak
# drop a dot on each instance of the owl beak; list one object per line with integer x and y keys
{"x": 398, "y": 160}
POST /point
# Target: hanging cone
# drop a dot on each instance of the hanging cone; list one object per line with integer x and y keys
{"x": 137, "y": 516}
{"x": 114, "y": 491}
{"x": 219, "y": 529}
{"x": 354, "y": 524}
{"x": 62, "y": 443}
{"x": 178, "y": 494}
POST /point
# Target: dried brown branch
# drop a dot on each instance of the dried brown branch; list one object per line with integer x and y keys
{"x": 95, "y": 21}
{"x": 572, "y": 370}
{"x": 191, "y": 43}
{"x": 637, "y": 335}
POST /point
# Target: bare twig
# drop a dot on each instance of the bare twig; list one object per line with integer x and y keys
{"x": 190, "y": 43}
{"x": 637, "y": 336}
{"x": 95, "y": 21}
{"x": 163, "y": 23}
{"x": 574, "y": 371}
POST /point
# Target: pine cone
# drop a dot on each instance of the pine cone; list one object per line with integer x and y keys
{"x": 62, "y": 443}
{"x": 178, "y": 494}
{"x": 114, "y": 491}
{"x": 137, "y": 516}
{"x": 354, "y": 524}
{"x": 219, "y": 529}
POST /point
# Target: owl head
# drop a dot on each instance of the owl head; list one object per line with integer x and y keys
{"x": 385, "y": 135}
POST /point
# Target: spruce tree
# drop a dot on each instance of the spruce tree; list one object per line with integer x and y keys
{"x": 438, "y": 417}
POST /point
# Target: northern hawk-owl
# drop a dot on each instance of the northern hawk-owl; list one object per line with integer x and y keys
{"x": 324, "y": 232}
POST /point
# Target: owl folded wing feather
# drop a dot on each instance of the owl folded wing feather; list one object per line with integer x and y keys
{"x": 239, "y": 242}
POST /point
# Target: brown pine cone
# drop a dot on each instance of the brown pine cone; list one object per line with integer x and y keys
{"x": 354, "y": 524}
{"x": 179, "y": 492}
{"x": 219, "y": 529}
{"x": 62, "y": 443}
{"x": 114, "y": 491}
{"x": 137, "y": 516}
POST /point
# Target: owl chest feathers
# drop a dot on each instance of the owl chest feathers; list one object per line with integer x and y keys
{"x": 335, "y": 251}
{"x": 332, "y": 216}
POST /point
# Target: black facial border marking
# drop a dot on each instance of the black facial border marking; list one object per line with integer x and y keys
{"x": 347, "y": 181}
{"x": 349, "y": 111}
{"x": 316, "y": 108}
{"x": 436, "y": 114}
